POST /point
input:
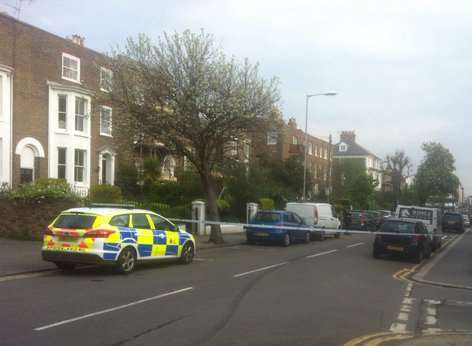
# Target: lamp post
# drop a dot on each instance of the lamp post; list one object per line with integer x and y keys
{"x": 331, "y": 93}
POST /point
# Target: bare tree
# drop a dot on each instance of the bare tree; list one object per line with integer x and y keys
{"x": 186, "y": 93}
{"x": 396, "y": 165}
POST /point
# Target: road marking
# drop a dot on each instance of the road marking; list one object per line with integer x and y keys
{"x": 356, "y": 244}
{"x": 321, "y": 253}
{"x": 259, "y": 269}
{"x": 359, "y": 339}
{"x": 383, "y": 339}
{"x": 120, "y": 307}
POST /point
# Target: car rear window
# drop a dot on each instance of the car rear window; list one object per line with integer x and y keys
{"x": 452, "y": 217}
{"x": 268, "y": 217}
{"x": 398, "y": 227}
{"x": 75, "y": 221}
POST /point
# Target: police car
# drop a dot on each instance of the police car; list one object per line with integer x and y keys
{"x": 101, "y": 235}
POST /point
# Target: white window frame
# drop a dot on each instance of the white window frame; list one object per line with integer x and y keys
{"x": 103, "y": 83}
{"x": 294, "y": 140}
{"x": 110, "y": 126}
{"x": 77, "y": 60}
{"x": 84, "y": 167}
{"x": 84, "y": 116}
{"x": 342, "y": 148}
{"x": 59, "y": 111}
{"x": 62, "y": 164}
{"x": 272, "y": 138}
{"x": 310, "y": 148}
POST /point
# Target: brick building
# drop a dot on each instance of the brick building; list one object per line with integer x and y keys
{"x": 286, "y": 140}
{"x": 52, "y": 123}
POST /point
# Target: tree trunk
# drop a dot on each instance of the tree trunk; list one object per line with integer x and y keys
{"x": 212, "y": 208}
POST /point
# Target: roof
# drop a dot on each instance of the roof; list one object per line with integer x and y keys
{"x": 105, "y": 211}
{"x": 353, "y": 149}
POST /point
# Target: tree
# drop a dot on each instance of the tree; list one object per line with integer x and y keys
{"x": 435, "y": 176}
{"x": 396, "y": 165}
{"x": 184, "y": 92}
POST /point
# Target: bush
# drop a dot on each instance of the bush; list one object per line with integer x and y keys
{"x": 44, "y": 188}
{"x": 105, "y": 194}
{"x": 266, "y": 203}
{"x": 127, "y": 179}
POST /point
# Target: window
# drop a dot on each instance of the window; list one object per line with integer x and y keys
{"x": 316, "y": 150}
{"x": 1, "y": 97}
{"x": 326, "y": 153}
{"x": 79, "y": 167}
{"x": 61, "y": 163}
{"x": 120, "y": 220}
{"x": 81, "y": 107}
{"x": 141, "y": 221}
{"x": 75, "y": 221}
{"x": 70, "y": 68}
{"x": 27, "y": 165}
{"x": 62, "y": 112}
{"x": 342, "y": 147}
{"x": 106, "y": 78}
{"x": 272, "y": 138}
{"x": 310, "y": 148}
{"x": 105, "y": 121}
{"x": 294, "y": 140}
{"x": 160, "y": 223}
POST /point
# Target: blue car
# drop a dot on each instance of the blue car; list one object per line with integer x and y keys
{"x": 296, "y": 230}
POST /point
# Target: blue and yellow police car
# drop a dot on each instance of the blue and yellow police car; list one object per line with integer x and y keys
{"x": 104, "y": 235}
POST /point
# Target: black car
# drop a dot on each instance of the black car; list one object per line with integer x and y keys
{"x": 362, "y": 220}
{"x": 403, "y": 237}
{"x": 453, "y": 222}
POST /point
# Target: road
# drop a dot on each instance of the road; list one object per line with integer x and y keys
{"x": 321, "y": 293}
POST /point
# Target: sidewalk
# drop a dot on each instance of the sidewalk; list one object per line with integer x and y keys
{"x": 22, "y": 256}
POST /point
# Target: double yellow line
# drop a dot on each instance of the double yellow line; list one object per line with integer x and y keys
{"x": 403, "y": 274}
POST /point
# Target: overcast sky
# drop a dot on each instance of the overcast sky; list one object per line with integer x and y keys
{"x": 403, "y": 68}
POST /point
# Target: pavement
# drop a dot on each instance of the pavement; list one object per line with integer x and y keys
{"x": 321, "y": 293}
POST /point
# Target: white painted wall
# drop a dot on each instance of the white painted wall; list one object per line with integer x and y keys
{"x": 68, "y": 138}
{"x": 6, "y": 111}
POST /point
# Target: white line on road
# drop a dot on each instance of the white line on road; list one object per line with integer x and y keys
{"x": 259, "y": 269}
{"x": 321, "y": 253}
{"x": 353, "y": 245}
{"x": 101, "y": 312}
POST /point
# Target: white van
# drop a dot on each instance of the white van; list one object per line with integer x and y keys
{"x": 430, "y": 217}
{"x": 318, "y": 215}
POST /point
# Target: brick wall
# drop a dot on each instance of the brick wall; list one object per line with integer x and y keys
{"x": 28, "y": 219}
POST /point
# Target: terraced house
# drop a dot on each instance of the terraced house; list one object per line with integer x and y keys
{"x": 52, "y": 123}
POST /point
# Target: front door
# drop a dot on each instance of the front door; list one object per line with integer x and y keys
{"x": 166, "y": 230}
{"x": 145, "y": 237}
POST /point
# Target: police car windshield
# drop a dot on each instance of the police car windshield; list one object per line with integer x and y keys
{"x": 76, "y": 221}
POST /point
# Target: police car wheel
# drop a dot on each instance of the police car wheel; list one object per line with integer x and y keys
{"x": 187, "y": 254}
{"x": 126, "y": 261}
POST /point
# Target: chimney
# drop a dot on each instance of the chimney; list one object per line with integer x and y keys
{"x": 347, "y": 136}
{"x": 292, "y": 123}
{"x": 78, "y": 40}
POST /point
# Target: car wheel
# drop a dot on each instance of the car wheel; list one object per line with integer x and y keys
{"x": 286, "y": 241}
{"x": 187, "y": 254}
{"x": 419, "y": 255}
{"x": 321, "y": 236}
{"x": 337, "y": 235}
{"x": 126, "y": 261}
{"x": 65, "y": 266}
{"x": 307, "y": 237}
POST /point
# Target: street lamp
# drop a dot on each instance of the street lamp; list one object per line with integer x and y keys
{"x": 330, "y": 93}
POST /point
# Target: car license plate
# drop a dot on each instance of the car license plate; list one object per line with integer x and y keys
{"x": 259, "y": 234}
{"x": 67, "y": 239}
{"x": 394, "y": 248}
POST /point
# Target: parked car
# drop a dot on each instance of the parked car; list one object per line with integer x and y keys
{"x": 318, "y": 215}
{"x": 404, "y": 237}
{"x": 362, "y": 220}
{"x": 268, "y": 226}
{"x": 376, "y": 216}
{"x": 431, "y": 217}
{"x": 116, "y": 236}
{"x": 453, "y": 222}
{"x": 466, "y": 220}
{"x": 386, "y": 213}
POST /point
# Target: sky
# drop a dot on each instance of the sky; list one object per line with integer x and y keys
{"x": 402, "y": 69}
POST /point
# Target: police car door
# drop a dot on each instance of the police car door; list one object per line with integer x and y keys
{"x": 168, "y": 236}
{"x": 145, "y": 239}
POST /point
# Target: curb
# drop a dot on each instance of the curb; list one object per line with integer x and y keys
{"x": 219, "y": 246}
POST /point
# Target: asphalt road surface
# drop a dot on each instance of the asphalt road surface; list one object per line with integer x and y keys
{"x": 321, "y": 293}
